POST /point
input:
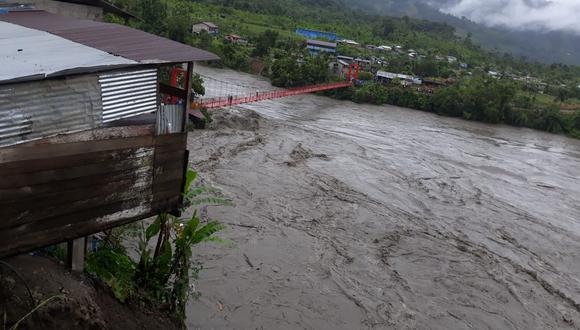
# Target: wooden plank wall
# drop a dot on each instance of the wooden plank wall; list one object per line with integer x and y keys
{"x": 70, "y": 186}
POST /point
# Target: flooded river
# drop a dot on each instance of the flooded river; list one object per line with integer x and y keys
{"x": 354, "y": 216}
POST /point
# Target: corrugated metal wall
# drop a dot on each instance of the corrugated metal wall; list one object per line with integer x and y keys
{"x": 170, "y": 119}
{"x": 128, "y": 93}
{"x": 42, "y": 108}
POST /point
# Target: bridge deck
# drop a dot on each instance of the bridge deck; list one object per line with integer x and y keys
{"x": 269, "y": 95}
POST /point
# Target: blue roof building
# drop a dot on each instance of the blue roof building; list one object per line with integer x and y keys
{"x": 313, "y": 34}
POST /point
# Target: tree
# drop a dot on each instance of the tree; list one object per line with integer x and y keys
{"x": 314, "y": 70}
{"x": 480, "y": 99}
{"x": 387, "y": 28}
{"x": 178, "y": 28}
{"x": 204, "y": 40}
{"x": 197, "y": 85}
{"x": 563, "y": 94}
{"x": 282, "y": 72}
{"x": 154, "y": 16}
{"x": 448, "y": 101}
{"x": 551, "y": 120}
{"x": 265, "y": 41}
{"x": 576, "y": 122}
{"x": 427, "y": 68}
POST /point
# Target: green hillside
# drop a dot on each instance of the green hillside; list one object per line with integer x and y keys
{"x": 249, "y": 17}
{"x": 547, "y": 47}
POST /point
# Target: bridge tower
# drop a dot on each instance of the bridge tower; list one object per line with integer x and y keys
{"x": 353, "y": 71}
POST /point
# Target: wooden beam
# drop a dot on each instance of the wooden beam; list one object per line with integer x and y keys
{"x": 188, "y": 98}
{"x": 173, "y": 91}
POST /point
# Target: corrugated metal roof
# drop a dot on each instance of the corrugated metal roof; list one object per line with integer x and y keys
{"x": 111, "y": 38}
{"x": 31, "y": 54}
{"x": 321, "y": 43}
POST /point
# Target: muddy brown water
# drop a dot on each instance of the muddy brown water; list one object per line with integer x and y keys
{"x": 364, "y": 217}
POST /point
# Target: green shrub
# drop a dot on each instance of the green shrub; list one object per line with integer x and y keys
{"x": 113, "y": 267}
{"x": 162, "y": 275}
{"x": 365, "y": 76}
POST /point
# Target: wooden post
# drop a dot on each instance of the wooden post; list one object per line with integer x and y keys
{"x": 188, "y": 99}
{"x": 76, "y": 254}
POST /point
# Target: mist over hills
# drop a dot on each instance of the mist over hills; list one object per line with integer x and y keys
{"x": 536, "y": 29}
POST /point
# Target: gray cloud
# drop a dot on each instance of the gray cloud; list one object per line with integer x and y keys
{"x": 520, "y": 14}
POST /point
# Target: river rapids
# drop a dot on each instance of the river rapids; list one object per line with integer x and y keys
{"x": 351, "y": 216}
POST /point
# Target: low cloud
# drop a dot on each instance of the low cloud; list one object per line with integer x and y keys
{"x": 542, "y": 15}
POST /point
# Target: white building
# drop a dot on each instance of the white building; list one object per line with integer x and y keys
{"x": 205, "y": 26}
{"x": 388, "y": 77}
{"x": 349, "y": 42}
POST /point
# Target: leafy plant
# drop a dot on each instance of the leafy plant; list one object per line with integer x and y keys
{"x": 114, "y": 267}
{"x": 163, "y": 274}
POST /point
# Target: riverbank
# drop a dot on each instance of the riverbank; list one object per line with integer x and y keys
{"x": 350, "y": 216}
{"x": 79, "y": 302}
{"x": 482, "y": 100}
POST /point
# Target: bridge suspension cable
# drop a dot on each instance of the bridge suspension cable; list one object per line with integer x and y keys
{"x": 220, "y": 93}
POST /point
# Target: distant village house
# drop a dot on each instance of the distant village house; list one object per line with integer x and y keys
{"x": 406, "y": 80}
{"x": 316, "y": 47}
{"x": 236, "y": 39}
{"x": 209, "y": 27}
{"x": 345, "y": 58}
{"x": 349, "y": 42}
{"x": 313, "y": 34}
{"x": 339, "y": 67}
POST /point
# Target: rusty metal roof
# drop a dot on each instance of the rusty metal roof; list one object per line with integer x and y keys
{"x": 114, "y": 39}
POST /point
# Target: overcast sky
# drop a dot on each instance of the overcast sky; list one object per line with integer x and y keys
{"x": 521, "y": 14}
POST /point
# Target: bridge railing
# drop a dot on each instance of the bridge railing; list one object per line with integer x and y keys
{"x": 211, "y": 103}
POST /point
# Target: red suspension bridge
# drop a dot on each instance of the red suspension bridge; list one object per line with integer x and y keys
{"x": 221, "y": 94}
{"x": 220, "y": 102}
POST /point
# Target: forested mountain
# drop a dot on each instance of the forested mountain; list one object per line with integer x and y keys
{"x": 546, "y": 47}
{"x": 533, "y": 45}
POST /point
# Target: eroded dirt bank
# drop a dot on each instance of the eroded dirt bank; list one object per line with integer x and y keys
{"x": 361, "y": 217}
{"x": 83, "y": 303}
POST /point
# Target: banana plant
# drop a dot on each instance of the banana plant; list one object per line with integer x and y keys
{"x": 165, "y": 272}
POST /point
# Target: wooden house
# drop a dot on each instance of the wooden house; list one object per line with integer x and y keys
{"x": 86, "y": 143}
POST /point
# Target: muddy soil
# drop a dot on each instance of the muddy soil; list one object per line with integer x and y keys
{"x": 361, "y": 217}
{"x": 85, "y": 303}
